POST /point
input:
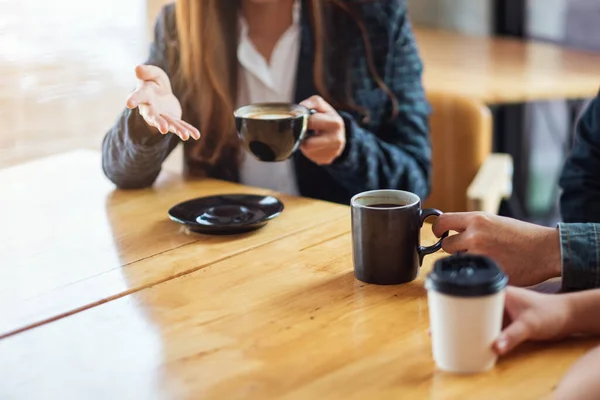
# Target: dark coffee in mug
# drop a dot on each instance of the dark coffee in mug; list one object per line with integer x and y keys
{"x": 386, "y": 226}
{"x": 272, "y": 131}
{"x": 387, "y": 205}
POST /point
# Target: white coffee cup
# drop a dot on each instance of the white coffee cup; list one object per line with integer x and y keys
{"x": 466, "y": 304}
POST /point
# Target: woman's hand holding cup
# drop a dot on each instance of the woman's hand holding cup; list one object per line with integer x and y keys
{"x": 330, "y": 138}
{"x": 157, "y": 104}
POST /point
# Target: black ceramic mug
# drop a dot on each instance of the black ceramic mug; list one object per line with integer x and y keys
{"x": 272, "y": 131}
{"x": 386, "y": 226}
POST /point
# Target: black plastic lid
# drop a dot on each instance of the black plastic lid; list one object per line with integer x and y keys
{"x": 466, "y": 276}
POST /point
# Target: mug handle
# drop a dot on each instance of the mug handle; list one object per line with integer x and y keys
{"x": 310, "y": 133}
{"x": 423, "y": 251}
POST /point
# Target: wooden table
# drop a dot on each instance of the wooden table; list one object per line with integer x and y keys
{"x": 274, "y": 314}
{"x": 503, "y": 70}
{"x": 70, "y": 241}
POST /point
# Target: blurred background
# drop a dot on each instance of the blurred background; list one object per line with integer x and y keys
{"x": 544, "y": 126}
{"x": 66, "y": 68}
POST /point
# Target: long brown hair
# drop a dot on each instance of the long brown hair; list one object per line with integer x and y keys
{"x": 205, "y": 75}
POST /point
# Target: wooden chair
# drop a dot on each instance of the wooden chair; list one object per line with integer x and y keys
{"x": 466, "y": 175}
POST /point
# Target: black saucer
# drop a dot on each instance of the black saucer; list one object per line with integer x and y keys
{"x": 226, "y": 214}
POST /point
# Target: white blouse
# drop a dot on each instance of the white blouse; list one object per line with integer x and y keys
{"x": 260, "y": 82}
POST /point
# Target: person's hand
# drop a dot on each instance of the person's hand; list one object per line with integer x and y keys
{"x": 528, "y": 253}
{"x": 157, "y": 104}
{"x": 532, "y": 316}
{"x": 330, "y": 133}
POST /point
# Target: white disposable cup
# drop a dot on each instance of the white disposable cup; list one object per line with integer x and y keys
{"x": 463, "y": 330}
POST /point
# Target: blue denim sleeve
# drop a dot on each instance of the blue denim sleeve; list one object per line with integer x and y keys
{"x": 580, "y": 251}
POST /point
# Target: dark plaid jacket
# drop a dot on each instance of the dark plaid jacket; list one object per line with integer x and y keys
{"x": 580, "y": 204}
{"x": 380, "y": 154}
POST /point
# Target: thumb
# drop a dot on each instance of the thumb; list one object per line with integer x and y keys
{"x": 149, "y": 73}
{"x": 515, "y": 334}
{"x": 138, "y": 97}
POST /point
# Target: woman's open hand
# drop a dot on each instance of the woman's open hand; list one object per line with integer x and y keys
{"x": 157, "y": 104}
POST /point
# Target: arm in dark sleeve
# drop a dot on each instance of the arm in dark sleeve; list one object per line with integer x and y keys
{"x": 580, "y": 179}
{"x": 132, "y": 154}
{"x": 398, "y": 154}
{"x": 580, "y": 253}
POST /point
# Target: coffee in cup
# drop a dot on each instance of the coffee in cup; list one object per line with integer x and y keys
{"x": 271, "y": 115}
{"x": 272, "y": 131}
{"x": 466, "y": 305}
{"x": 386, "y": 226}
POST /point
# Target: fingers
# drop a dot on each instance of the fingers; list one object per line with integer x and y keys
{"x": 329, "y": 143}
{"x": 450, "y": 222}
{"x": 323, "y": 149}
{"x": 316, "y": 143}
{"x": 158, "y": 122}
{"x": 151, "y": 73}
{"x": 511, "y": 337}
{"x": 324, "y": 123}
{"x": 177, "y": 127}
{"x": 455, "y": 243}
{"x": 139, "y": 96}
{"x": 514, "y": 293}
{"x": 166, "y": 124}
{"x": 518, "y": 299}
{"x": 195, "y": 133}
{"x": 179, "y": 130}
{"x": 319, "y": 104}
{"x": 512, "y": 302}
{"x": 144, "y": 94}
{"x": 153, "y": 118}
{"x": 517, "y": 331}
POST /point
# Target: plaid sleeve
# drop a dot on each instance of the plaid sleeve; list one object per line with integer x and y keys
{"x": 388, "y": 153}
{"x": 580, "y": 179}
{"x": 132, "y": 155}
